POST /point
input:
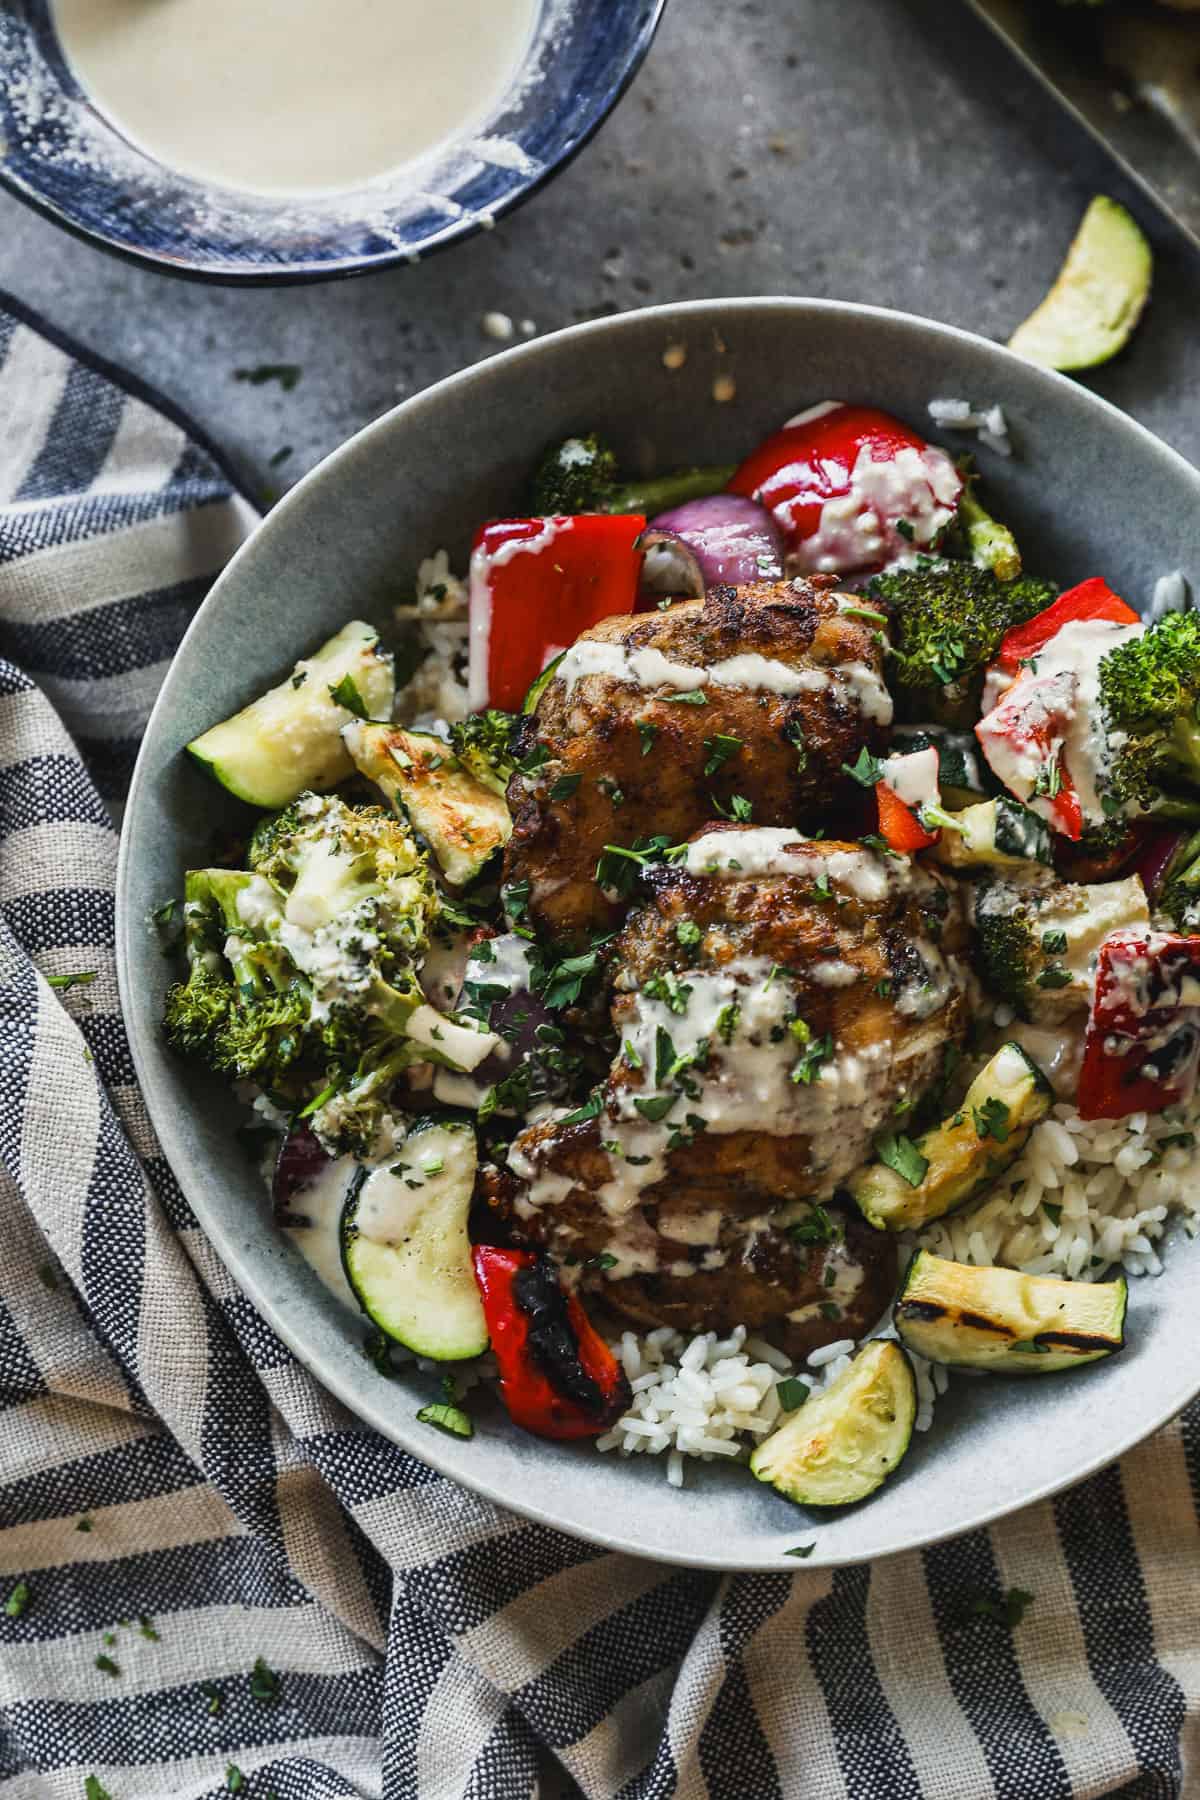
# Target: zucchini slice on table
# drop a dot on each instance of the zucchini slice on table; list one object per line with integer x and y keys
{"x": 1092, "y": 309}
{"x": 405, "y": 1247}
{"x": 463, "y": 822}
{"x": 915, "y": 1182}
{"x": 847, "y": 1439}
{"x": 998, "y": 833}
{"x": 290, "y": 739}
{"x": 1003, "y": 1320}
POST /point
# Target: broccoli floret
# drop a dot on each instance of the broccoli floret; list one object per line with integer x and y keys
{"x": 580, "y": 476}
{"x": 1150, "y": 701}
{"x": 1180, "y": 898}
{"x": 484, "y": 745}
{"x": 577, "y": 476}
{"x": 985, "y": 541}
{"x": 243, "y": 1009}
{"x": 947, "y": 619}
{"x": 302, "y": 970}
{"x": 1035, "y": 937}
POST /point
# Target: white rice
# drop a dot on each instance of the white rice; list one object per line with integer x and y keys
{"x": 715, "y": 1398}
{"x": 1084, "y": 1198}
{"x": 987, "y": 422}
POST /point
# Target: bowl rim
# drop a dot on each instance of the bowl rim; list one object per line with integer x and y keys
{"x": 302, "y": 273}
{"x": 361, "y": 1402}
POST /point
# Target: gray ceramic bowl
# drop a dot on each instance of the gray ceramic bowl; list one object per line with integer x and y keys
{"x": 1089, "y": 491}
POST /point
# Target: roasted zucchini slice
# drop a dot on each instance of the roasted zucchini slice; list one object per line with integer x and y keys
{"x": 530, "y": 703}
{"x": 463, "y": 822}
{"x": 290, "y": 739}
{"x": 1003, "y": 1320}
{"x": 915, "y": 1182}
{"x": 1095, "y": 303}
{"x": 847, "y": 1439}
{"x": 405, "y": 1247}
{"x": 998, "y": 833}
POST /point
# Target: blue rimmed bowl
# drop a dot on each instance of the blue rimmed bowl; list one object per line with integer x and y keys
{"x": 63, "y": 157}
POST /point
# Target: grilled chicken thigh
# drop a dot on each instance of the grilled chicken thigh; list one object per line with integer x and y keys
{"x": 775, "y": 999}
{"x": 653, "y": 723}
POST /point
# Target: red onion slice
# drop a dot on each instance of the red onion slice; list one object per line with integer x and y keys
{"x": 731, "y": 539}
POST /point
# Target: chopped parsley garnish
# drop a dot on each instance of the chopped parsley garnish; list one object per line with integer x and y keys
{"x": 619, "y": 863}
{"x": 1054, "y": 942}
{"x": 817, "y": 1052}
{"x": 146, "y": 1628}
{"x": 286, "y": 374}
{"x": 605, "y": 1260}
{"x": 883, "y": 988}
{"x": 378, "y": 1351}
{"x": 720, "y": 749}
{"x": 817, "y": 1228}
{"x": 564, "y": 982}
{"x": 727, "y": 1021}
{"x": 631, "y": 1055}
{"x": 107, "y": 1666}
{"x": 647, "y": 731}
{"x": 1054, "y": 977}
{"x": 992, "y": 1119}
{"x": 687, "y": 932}
{"x": 801, "y": 1550}
{"x": 873, "y": 841}
{"x": 742, "y": 809}
{"x": 564, "y": 787}
{"x": 94, "y": 1789}
{"x": 901, "y": 1155}
{"x": 450, "y": 1419}
{"x": 821, "y": 889}
{"x": 693, "y": 697}
{"x": 212, "y": 1694}
{"x": 281, "y": 455}
{"x": 794, "y": 733}
{"x": 665, "y": 1056}
{"x": 345, "y": 693}
{"x": 657, "y": 1107}
{"x": 80, "y": 978}
{"x": 299, "y": 678}
{"x": 904, "y": 527}
{"x": 792, "y": 1393}
{"x": 18, "y": 1600}
{"x": 668, "y": 987}
{"x": 534, "y": 760}
{"x": 591, "y": 1109}
{"x": 163, "y": 915}
{"x": 829, "y": 1310}
{"x": 47, "y": 1276}
{"x": 1010, "y": 1609}
{"x": 85, "y": 1524}
{"x": 865, "y": 769}
{"x": 868, "y": 613}
{"x": 1029, "y": 1347}
{"x": 947, "y": 653}
{"x": 516, "y": 899}
{"x": 235, "y": 1781}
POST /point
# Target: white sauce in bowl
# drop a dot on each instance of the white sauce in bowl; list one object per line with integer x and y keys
{"x": 294, "y": 97}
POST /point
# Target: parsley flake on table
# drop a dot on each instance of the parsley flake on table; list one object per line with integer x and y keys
{"x": 264, "y": 1682}
{"x": 286, "y": 374}
{"x": 78, "y": 978}
{"x": 1009, "y": 1610}
{"x": 94, "y": 1789}
{"x": 18, "y": 1600}
{"x": 107, "y": 1666}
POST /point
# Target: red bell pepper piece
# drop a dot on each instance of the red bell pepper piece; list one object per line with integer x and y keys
{"x": 1092, "y": 599}
{"x": 558, "y": 1378}
{"x": 1022, "y": 740}
{"x": 1142, "y": 1049}
{"x": 535, "y": 585}
{"x": 902, "y": 495}
{"x": 899, "y": 824}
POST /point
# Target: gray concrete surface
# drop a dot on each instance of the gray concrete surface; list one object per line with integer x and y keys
{"x": 878, "y": 150}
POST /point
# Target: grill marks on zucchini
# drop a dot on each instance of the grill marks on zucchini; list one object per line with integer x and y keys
{"x": 1003, "y": 1320}
{"x": 463, "y": 821}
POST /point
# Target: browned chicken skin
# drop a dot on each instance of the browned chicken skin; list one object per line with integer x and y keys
{"x": 719, "y": 1128}
{"x": 629, "y": 762}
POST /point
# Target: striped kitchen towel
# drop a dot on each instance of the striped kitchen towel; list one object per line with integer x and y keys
{"x": 213, "y": 1580}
